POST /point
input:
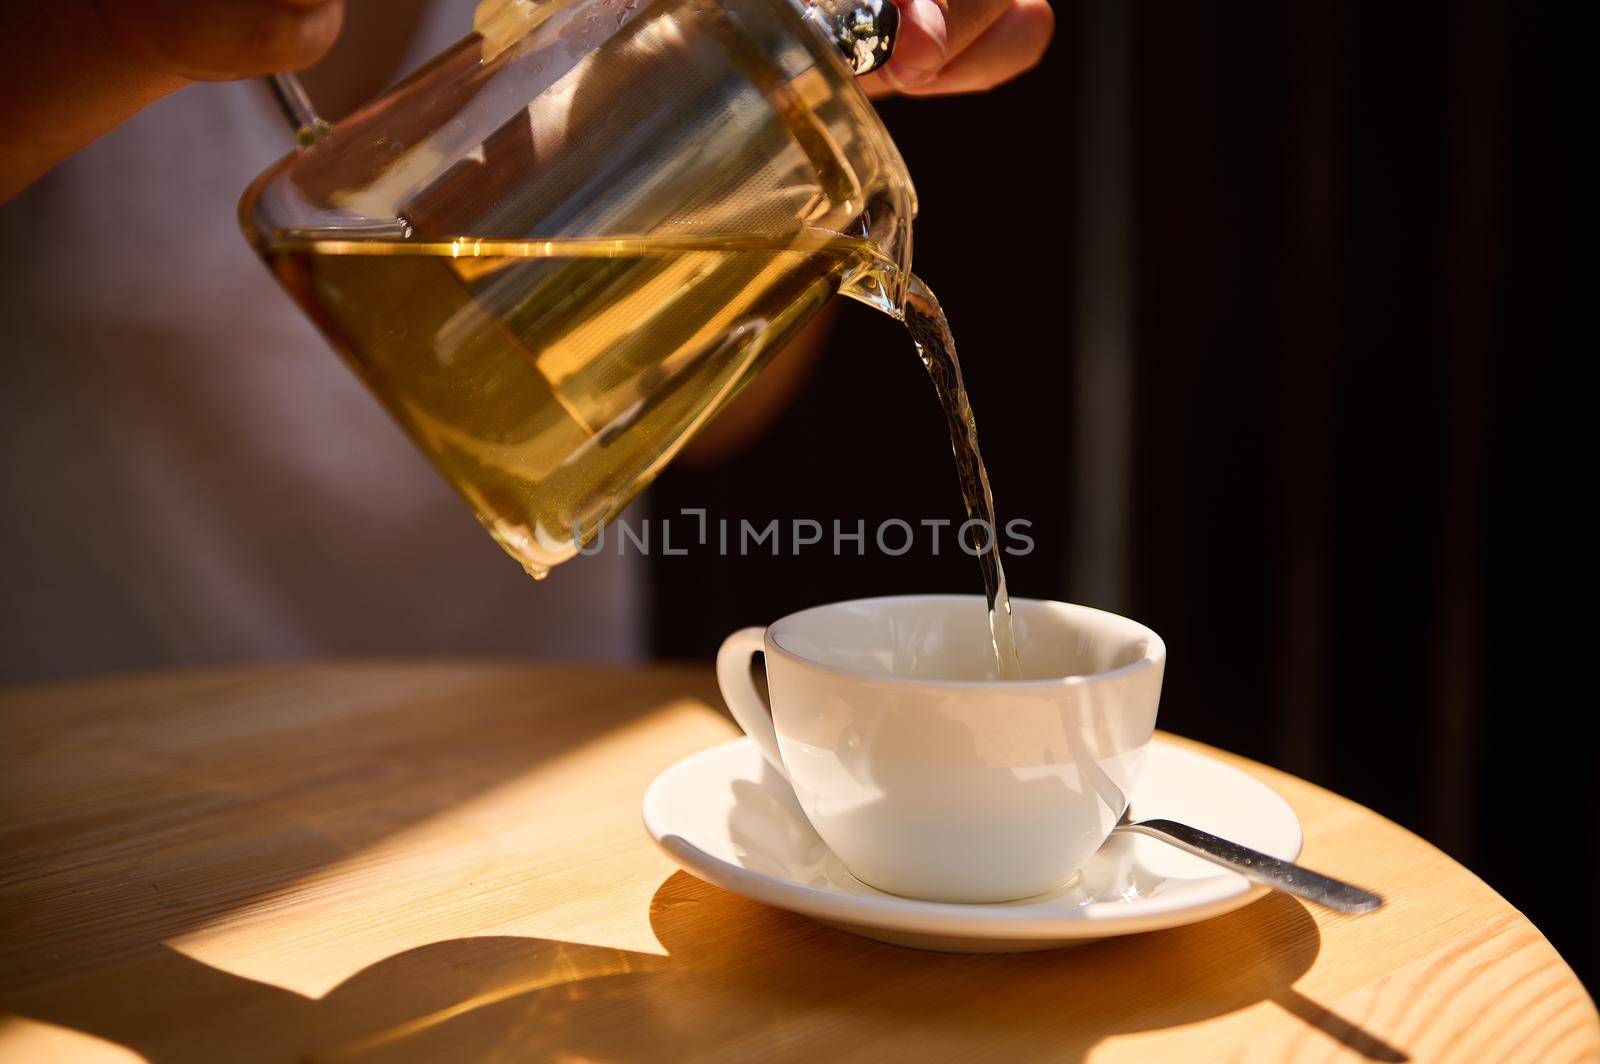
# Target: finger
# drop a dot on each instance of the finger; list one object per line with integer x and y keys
{"x": 1013, "y": 45}
{"x": 221, "y": 39}
{"x": 875, "y": 86}
{"x": 967, "y": 20}
{"x": 933, "y": 33}
{"x": 921, "y": 47}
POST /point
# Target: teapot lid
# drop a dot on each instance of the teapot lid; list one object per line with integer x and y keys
{"x": 863, "y": 31}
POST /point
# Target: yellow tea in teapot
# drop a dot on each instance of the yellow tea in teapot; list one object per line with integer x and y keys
{"x": 549, "y": 381}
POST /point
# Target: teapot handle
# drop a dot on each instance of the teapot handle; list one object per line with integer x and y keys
{"x": 309, "y": 127}
{"x": 863, "y": 32}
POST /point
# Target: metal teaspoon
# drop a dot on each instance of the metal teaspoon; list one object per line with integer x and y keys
{"x": 1256, "y": 866}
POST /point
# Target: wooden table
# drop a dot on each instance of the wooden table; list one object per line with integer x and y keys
{"x": 444, "y": 862}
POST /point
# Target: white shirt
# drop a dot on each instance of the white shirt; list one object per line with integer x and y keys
{"x": 190, "y": 474}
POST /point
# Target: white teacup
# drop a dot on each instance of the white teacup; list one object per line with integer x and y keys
{"x": 925, "y": 774}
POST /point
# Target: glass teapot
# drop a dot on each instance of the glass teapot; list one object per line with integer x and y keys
{"x": 559, "y": 248}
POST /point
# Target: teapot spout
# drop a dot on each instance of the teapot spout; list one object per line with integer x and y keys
{"x": 879, "y": 279}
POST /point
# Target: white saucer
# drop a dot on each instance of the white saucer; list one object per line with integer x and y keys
{"x": 726, "y": 817}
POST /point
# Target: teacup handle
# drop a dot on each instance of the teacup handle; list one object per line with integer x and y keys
{"x": 749, "y": 709}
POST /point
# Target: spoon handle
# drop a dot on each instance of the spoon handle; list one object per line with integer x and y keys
{"x": 1258, "y": 867}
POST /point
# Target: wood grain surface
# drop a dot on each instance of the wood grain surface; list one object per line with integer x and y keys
{"x": 444, "y": 862}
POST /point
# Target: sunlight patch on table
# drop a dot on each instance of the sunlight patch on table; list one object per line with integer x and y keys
{"x": 23, "y": 1039}
{"x": 520, "y": 860}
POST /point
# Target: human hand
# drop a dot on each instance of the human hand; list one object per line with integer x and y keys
{"x": 221, "y": 40}
{"x": 953, "y": 46}
{"x": 72, "y": 69}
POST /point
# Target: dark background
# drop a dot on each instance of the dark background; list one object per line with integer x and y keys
{"x": 1293, "y": 290}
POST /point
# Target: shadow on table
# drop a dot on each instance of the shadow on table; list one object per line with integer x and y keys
{"x": 350, "y": 755}
{"x": 137, "y": 810}
{"x": 741, "y": 981}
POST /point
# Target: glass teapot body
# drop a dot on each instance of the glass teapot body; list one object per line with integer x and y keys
{"x": 562, "y": 246}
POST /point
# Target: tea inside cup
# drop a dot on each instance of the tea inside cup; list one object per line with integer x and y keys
{"x": 946, "y": 637}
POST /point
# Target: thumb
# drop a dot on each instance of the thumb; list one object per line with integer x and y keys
{"x": 921, "y": 47}
{"x": 218, "y": 40}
